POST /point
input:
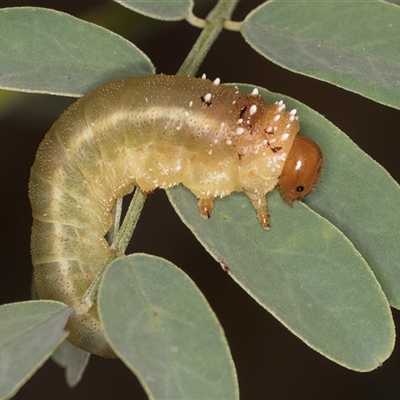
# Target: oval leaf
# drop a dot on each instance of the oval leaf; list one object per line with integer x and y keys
{"x": 303, "y": 271}
{"x": 354, "y": 45}
{"x": 29, "y": 333}
{"x": 356, "y": 194}
{"x": 73, "y": 360}
{"x": 47, "y": 51}
{"x": 164, "y": 10}
{"x": 163, "y": 329}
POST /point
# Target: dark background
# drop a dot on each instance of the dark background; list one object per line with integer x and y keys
{"x": 271, "y": 362}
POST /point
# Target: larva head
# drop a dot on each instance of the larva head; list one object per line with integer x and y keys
{"x": 301, "y": 170}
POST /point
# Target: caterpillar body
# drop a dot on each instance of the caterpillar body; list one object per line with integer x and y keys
{"x": 152, "y": 132}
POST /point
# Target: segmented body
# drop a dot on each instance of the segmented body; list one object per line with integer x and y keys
{"x": 154, "y": 132}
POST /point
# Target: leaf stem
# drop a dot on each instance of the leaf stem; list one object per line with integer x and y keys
{"x": 234, "y": 26}
{"x": 195, "y": 21}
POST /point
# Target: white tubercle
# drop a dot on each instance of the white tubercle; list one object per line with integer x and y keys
{"x": 207, "y": 97}
{"x": 285, "y": 136}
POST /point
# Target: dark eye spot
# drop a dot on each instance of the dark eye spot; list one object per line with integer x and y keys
{"x": 299, "y": 188}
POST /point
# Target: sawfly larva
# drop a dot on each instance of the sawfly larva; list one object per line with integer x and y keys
{"x": 152, "y": 132}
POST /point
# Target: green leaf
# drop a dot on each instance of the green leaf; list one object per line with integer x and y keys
{"x": 163, "y": 329}
{"x": 73, "y": 360}
{"x": 29, "y": 333}
{"x": 359, "y": 197}
{"x": 304, "y": 270}
{"x": 356, "y": 194}
{"x": 46, "y": 51}
{"x": 354, "y": 44}
{"x": 167, "y": 10}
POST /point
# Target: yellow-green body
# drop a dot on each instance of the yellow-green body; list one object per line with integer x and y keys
{"x": 154, "y": 132}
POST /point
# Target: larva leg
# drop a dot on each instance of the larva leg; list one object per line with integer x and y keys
{"x": 205, "y": 207}
{"x": 260, "y": 204}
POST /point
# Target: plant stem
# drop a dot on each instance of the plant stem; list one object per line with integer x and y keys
{"x": 215, "y": 24}
{"x": 123, "y": 236}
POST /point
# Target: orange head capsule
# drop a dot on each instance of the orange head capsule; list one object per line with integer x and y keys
{"x": 301, "y": 170}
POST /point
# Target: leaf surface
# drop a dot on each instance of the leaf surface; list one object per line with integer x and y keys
{"x": 29, "y": 333}
{"x": 73, "y": 360}
{"x": 164, "y": 10}
{"x": 353, "y": 44}
{"x": 162, "y": 328}
{"x": 304, "y": 270}
{"x": 47, "y": 51}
